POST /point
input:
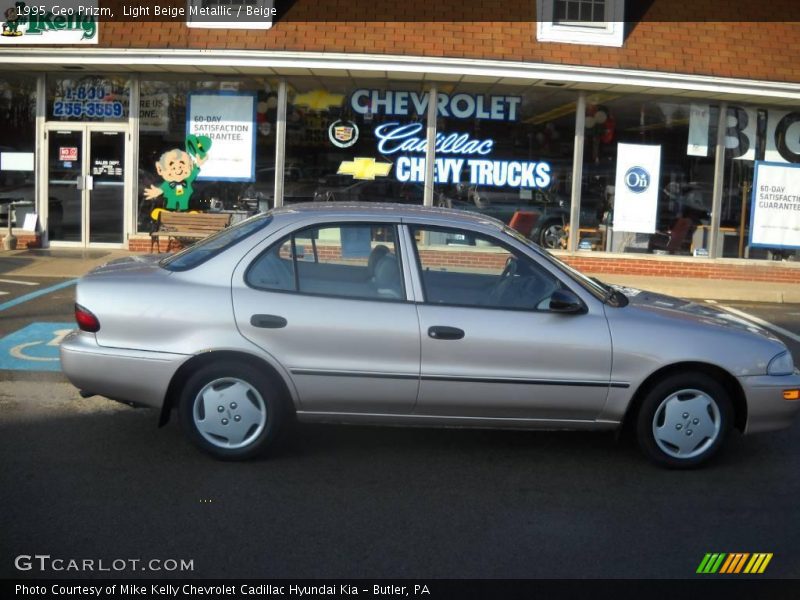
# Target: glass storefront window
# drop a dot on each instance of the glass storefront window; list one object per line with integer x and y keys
{"x": 662, "y": 150}
{"x": 103, "y": 98}
{"x": 506, "y": 151}
{"x": 354, "y": 140}
{"x": 205, "y": 145}
{"x": 772, "y": 232}
{"x": 17, "y": 148}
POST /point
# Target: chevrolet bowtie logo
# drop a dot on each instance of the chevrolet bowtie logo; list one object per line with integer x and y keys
{"x": 364, "y": 168}
{"x": 318, "y": 100}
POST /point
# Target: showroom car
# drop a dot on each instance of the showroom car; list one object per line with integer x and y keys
{"x": 381, "y": 314}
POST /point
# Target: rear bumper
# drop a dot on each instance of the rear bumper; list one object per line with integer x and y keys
{"x": 118, "y": 373}
{"x": 766, "y": 408}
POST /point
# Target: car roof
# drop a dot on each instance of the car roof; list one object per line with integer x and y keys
{"x": 412, "y": 212}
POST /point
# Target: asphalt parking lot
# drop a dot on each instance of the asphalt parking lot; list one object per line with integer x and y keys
{"x": 88, "y": 478}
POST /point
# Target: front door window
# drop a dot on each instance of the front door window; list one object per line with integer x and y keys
{"x": 462, "y": 268}
{"x": 85, "y": 185}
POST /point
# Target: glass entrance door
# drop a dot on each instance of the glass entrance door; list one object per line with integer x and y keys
{"x": 65, "y": 185}
{"x": 107, "y": 187}
{"x": 86, "y": 186}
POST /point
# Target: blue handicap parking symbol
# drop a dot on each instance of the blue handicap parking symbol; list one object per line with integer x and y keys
{"x": 34, "y": 347}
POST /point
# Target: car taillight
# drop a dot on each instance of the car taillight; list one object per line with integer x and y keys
{"x": 86, "y": 319}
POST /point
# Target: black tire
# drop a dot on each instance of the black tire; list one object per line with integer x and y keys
{"x": 678, "y": 403}
{"x": 251, "y": 396}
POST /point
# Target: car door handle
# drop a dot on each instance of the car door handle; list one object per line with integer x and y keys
{"x": 441, "y": 332}
{"x": 268, "y": 321}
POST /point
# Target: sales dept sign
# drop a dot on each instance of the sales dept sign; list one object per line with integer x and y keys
{"x": 61, "y": 22}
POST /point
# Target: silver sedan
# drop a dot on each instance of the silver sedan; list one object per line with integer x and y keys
{"x": 398, "y": 315}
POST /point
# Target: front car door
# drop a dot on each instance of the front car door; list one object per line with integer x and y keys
{"x": 329, "y": 302}
{"x": 491, "y": 348}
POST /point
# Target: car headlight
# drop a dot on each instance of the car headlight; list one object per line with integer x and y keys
{"x": 783, "y": 364}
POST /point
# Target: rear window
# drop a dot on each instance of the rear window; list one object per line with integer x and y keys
{"x": 209, "y": 247}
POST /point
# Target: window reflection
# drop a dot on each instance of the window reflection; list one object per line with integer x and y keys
{"x": 17, "y": 148}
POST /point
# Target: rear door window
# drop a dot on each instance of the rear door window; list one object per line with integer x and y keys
{"x": 353, "y": 260}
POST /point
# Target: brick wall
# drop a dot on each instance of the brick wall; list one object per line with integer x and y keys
{"x": 24, "y": 240}
{"x": 759, "y": 50}
{"x": 748, "y": 271}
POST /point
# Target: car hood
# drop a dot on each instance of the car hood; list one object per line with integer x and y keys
{"x": 700, "y": 313}
{"x": 137, "y": 264}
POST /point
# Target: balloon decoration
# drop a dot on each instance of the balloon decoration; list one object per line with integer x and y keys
{"x": 266, "y": 111}
{"x": 600, "y": 128}
{"x": 547, "y": 138}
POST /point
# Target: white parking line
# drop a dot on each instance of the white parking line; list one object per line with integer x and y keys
{"x": 3, "y": 293}
{"x": 777, "y": 329}
{"x": 14, "y": 281}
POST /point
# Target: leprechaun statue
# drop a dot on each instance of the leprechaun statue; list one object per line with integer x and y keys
{"x": 179, "y": 169}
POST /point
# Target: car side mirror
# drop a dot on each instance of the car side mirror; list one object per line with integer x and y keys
{"x": 565, "y": 301}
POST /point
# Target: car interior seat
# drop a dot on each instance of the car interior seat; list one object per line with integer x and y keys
{"x": 272, "y": 272}
{"x": 387, "y": 278}
{"x": 378, "y": 252}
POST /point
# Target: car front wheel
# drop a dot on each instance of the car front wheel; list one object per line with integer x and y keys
{"x": 684, "y": 420}
{"x": 232, "y": 411}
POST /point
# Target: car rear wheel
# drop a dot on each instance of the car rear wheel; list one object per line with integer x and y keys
{"x": 684, "y": 420}
{"x": 232, "y": 411}
{"x": 552, "y": 234}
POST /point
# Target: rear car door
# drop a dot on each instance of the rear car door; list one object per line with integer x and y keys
{"x": 329, "y": 303}
{"x": 491, "y": 347}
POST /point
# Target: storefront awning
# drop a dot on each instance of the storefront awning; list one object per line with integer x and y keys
{"x": 221, "y": 62}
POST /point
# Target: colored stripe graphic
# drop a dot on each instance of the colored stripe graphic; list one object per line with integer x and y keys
{"x": 758, "y": 563}
{"x": 711, "y": 562}
{"x": 733, "y": 563}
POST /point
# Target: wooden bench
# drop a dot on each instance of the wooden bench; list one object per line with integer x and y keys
{"x": 189, "y": 227}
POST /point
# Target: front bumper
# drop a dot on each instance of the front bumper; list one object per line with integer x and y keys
{"x": 766, "y": 408}
{"x": 121, "y": 374}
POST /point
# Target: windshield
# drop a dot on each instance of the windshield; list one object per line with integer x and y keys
{"x": 593, "y": 286}
{"x": 203, "y": 250}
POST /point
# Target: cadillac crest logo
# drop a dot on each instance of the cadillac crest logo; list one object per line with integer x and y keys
{"x": 343, "y": 134}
